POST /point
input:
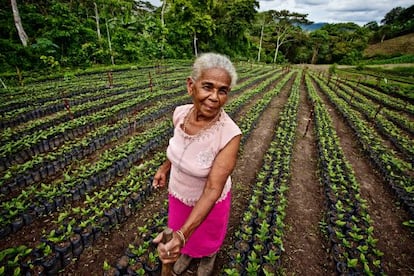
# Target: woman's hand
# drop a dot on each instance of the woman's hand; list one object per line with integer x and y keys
{"x": 160, "y": 177}
{"x": 170, "y": 251}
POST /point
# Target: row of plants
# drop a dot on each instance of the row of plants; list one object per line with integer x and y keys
{"x": 234, "y": 106}
{"x": 54, "y": 93}
{"x": 382, "y": 99}
{"x": 18, "y": 117}
{"x": 387, "y": 82}
{"x": 71, "y": 86}
{"x": 56, "y": 135}
{"x": 374, "y": 115}
{"x": 22, "y": 122}
{"x": 259, "y": 238}
{"x": 394, "y": 171}
{"x": 82, "y": 111}
{"x": 349, "y": 225}
{"x": 47, "y": 163}
{"x": 403, "y": 122}
{"x": 141, "y": 256}
{"x": 77, "y": 95}
{"x": 396, "y": 113}
{"x": 250, "y": 119}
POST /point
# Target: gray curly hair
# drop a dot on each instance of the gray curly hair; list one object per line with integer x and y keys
{"x": 213, "y": 60}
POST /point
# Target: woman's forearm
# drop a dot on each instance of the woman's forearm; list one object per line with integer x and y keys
{"x": 222, "y": 168}
{"x": 200, "y": 210}
{"x": 166, "y": 166}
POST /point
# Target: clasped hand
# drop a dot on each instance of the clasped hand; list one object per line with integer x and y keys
{"x": 170, "y": 251}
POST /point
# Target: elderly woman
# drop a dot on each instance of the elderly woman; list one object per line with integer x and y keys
{"x": 201, "y": 156}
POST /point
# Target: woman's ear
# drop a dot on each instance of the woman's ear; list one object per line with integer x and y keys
{"x": 190, "y": 86}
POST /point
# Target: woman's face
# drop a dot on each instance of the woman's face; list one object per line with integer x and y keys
{"x": 210, "y": 91}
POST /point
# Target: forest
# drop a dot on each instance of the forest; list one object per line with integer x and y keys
{"x": 48, "y": 36}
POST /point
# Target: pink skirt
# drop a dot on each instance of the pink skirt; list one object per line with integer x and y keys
{"x": 209, "y": 235}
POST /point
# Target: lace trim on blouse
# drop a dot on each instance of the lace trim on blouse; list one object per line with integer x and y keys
{"x": 193, "y": 201}
{"x": 204, "y": 133}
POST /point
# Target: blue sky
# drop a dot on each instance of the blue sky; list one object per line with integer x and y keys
{"x": 334, "y": 11}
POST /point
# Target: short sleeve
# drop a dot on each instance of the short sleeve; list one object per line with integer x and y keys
{"x": 179, "y": 113}
{"x": 229, "y": 131}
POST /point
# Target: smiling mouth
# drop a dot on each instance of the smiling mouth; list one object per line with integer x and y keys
{"x": 210, "y": 107}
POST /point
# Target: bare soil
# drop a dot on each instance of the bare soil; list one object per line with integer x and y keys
{"x": 306, "y": 247}
{"x": 400, "y": 45}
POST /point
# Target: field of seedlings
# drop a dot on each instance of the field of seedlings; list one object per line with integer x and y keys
{"x": 324, "y": 184}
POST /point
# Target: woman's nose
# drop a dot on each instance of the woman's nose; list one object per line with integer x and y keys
{"x": 214, "y": 95}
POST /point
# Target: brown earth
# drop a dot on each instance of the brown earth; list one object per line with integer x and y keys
{"x": 399, "y": 45}
{"x": 306, "y": 247}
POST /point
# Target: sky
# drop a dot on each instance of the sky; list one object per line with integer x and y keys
{"x": 334, "y": 11}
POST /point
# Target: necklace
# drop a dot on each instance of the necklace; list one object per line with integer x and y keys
{"x": 189, "y": 139}
{"x": 208, "y": 125}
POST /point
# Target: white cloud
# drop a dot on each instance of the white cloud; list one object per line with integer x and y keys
{"x": 334, "y": 11}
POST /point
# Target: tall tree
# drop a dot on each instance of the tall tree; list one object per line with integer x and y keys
{"x": 234, "y": 21}
{"x": 192, "y": 18}
{"x": 392, "y": 16}
{"x": 318, "y": 40}
{"x": 18, "y": 22}
{"x": 285, "y": 27}
{"x": 346, "y": 42}
{"x": 397, "y": 21}
{"x": 98, "y": 28}
{"x": 263, "y": 20}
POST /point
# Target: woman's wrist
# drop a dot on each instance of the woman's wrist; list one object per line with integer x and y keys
{"x": 182, "y": 237}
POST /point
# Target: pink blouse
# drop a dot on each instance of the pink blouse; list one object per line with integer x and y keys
{"x": 192, "y": 156}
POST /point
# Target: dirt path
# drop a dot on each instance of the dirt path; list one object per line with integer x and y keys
{"x": 249, "y": 163}
{"x": 395, "y": 241}
{"x": 305, "y": 247}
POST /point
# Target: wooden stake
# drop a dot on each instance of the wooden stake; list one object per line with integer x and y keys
{"x": 309, "y": 121}
{"x": 67, "y": 106}
{"x": 167, "y": 235}
{"x": 150, "y": 81}
{"x": 378, "y": 111}
{"x": 110, "y": 79}
{"x": 352, "y": 96}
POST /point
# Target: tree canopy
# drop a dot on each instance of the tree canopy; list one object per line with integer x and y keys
{"x": 56, "y": 34}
